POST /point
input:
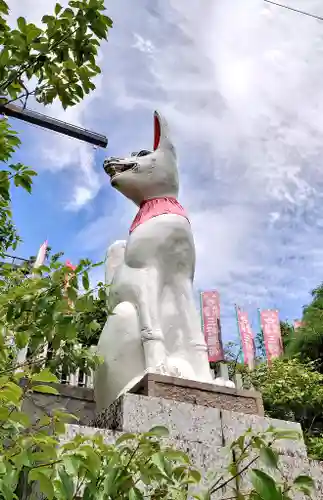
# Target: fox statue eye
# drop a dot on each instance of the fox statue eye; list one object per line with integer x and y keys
{"x": 144, "y": 152}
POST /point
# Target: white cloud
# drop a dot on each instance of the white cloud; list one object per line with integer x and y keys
{"x": 142, "y": 44}
{"x": 241, "y": 86}
{"x": 240, "y": 83}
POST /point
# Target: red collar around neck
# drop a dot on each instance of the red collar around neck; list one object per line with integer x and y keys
{"x": 157, "y": 206}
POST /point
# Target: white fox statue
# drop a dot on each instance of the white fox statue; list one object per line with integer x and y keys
{"x": 155, "y": 326}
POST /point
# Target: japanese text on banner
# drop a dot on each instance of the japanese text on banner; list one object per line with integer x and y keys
{"x": 247, "y": 339}
{"x": 272, "y": 335}
{"x": 210, "y": 305}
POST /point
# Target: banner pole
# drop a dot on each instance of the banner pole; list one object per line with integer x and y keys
{"x": 241, "y": 356}
{"x": 261, "y": 333}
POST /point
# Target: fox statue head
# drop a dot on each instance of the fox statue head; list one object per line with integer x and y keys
{"x": 147, "y": 174}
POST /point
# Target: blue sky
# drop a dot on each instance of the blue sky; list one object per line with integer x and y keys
{"x": 241, "y": 86}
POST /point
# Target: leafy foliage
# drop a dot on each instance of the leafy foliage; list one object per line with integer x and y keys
{"x": 287, "y": 333}
{"x": 260, "y": 345}
{"x": 293, "y": 390}
{"x": 93, "y": 321}
{"x": 61, "y": 54}
{"x": 61, "y": 57}
{"x": 250, "y": 451}
{"x": 41, "y": 310}
{"x": 307, "y": 340}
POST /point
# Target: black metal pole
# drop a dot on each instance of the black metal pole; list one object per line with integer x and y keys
{"x": 49, "y": 123}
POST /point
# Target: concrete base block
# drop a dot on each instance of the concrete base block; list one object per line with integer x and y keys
{"x": 132, "y": 413}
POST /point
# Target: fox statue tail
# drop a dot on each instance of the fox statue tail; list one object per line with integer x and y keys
{"x": 114, "y": 258}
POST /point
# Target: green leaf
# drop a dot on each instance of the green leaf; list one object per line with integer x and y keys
{"x": 125, "y": 437}
{"x": 177, "y": 455}
{"x": 10, "y": 311}
{"x": 32, "y": 34}
{"x": 4, "y": 412}
{"x": 58, "y": 8}
{"x": 21, "y": 22}
{"x": 233, "y": 469}
{"x": 72, "y": 293}
{"x": 158, "y": 431}
{"x": 195, "y": 475}
{"x": 102, "y": 294}
{"x": 45, "y": 484}
{"x": 286, "y": 434}
{"x": 159, "y": 460}
{"x": 303, "y": 480}
{"x": 4, "y": 7}
{"x": 264, "y": 485}
{"x": 59, "y": 427}
{"x": 23, "y": 181}
{"x": 64, "y": 416}
{"x": 45, "y": 389}
{"x": 68, "y": 13}
{"x": 20, "y": 417}
{"x": 269, "y": 457}
{"x": 11, "y": 392}
{"x": 135, "y": 494}
{"x": 45, "y": 376}
{"x": 30, "y": 173}
{"x": 72, "y": 464}
{"x": 67, "y": 484}
{"x": 95, "y": 326}
{"x": 91, "y": 459}
{"x": 85, "y": 281}
{"x": 4, "y": 56}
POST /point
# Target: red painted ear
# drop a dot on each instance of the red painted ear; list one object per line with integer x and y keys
{"x": 156, "y": 131}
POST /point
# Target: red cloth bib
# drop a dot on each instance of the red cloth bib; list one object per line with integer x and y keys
{"x": 157, "y": 206}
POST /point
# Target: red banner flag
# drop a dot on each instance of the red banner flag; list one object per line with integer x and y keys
{"x": 210, "y": 309}
{"x": 247, "y": 338}
{"x": 297, "y": 324}
{"x": 41, "y": 256}
{"x": 270, "y": 325}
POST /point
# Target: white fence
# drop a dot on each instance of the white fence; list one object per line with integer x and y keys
{"x": 77, "y": 379}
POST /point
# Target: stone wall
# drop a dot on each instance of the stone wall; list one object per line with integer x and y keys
{"x": 76, "y": 400}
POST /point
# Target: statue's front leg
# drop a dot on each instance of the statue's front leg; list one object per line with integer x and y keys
{"x": 151, "y": 333}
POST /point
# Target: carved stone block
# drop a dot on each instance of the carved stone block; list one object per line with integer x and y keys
{"x": 200, "y": 393}
{"x": 133, "y": 413}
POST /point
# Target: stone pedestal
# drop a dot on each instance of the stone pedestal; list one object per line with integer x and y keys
{"x": 204, "y": 433}
{"x": 190, "y": 422}
{"x": 203, "y": 420}
{"x": 209, "y": 395}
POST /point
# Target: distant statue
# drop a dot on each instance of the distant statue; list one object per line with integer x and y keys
{"x": 155, "y": 326}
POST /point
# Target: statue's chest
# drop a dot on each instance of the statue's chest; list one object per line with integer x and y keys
{"x": 161, "y": 238}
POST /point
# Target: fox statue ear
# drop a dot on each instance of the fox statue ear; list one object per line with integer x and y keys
{"x": 161, "y": 134}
